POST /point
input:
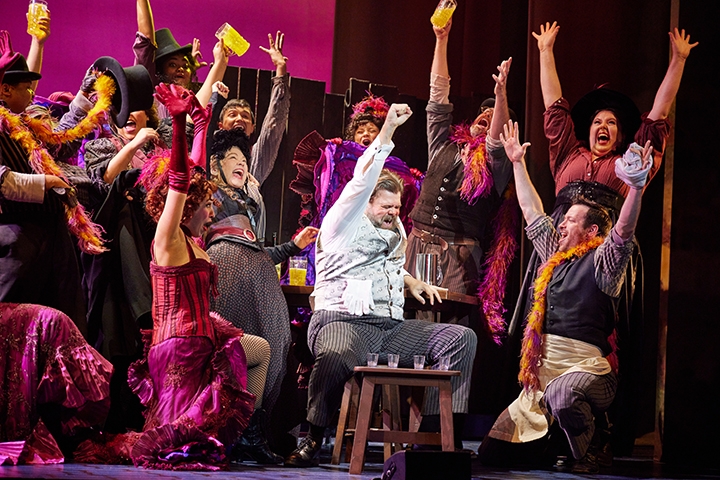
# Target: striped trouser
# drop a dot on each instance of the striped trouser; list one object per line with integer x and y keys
{"x": 341, "y": 342}
{"x": 257, "y": 352}
{"x": 574, "y": 400}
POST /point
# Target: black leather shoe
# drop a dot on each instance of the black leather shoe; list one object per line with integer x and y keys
{"x": 587, "y": 464}
{"x": 253, "y": 445}
{"x": 305, "y": 455}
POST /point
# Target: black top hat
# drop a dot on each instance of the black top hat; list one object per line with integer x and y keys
{"x": 599, "y": 99}
{"x": 166, "y": 45}
{"x": 134, "y": 88}
{"x": 18, "y": 72}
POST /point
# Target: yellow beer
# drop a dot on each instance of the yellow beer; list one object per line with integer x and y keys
{"x": 233, "y": 40}
{"x": 443, "y": 12}
{"x": 36, "y": 10}
{"x": 298, "y": 276}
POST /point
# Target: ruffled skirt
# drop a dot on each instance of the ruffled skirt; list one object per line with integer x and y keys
{"x": 196, "y": 403}
{"x": 45, "y": 360}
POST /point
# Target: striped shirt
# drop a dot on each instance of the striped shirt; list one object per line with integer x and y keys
{"x": 611, "y": 257}
{"x": 181, "y": 298}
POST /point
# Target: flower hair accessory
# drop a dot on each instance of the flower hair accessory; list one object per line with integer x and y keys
{"x": 372, "y": 105}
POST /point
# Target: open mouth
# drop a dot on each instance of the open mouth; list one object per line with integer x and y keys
{"x": 130, "y": 127}
{"x": 366, "y": 142}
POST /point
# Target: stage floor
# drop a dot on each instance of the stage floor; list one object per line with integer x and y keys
{"x": 624, "y": 468}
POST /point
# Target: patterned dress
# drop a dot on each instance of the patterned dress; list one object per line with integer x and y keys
{"x": 46, "y": 362}
{"x": 192, "y": 379}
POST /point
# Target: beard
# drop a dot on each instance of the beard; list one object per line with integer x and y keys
{"x": 386, "y": 222}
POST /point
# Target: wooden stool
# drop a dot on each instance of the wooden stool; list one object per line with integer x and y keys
{"x": 345, "y": 432}
{"x": 393, "y": 377}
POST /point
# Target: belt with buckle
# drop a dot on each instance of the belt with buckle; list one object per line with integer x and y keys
{"x": 427, "y": 237}
{"x": 433, "y": 238}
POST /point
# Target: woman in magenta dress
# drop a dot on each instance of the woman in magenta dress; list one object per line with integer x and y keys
{"x": 53, "y": 385}
{"x": 193, "y": 378}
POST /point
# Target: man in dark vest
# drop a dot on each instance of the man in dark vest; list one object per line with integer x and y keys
{"x": 568, "y": 367}
{"x": 464, "y": 181}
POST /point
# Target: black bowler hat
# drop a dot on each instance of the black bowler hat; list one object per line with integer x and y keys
{"x": 134, "y": 88}
{"x": 18, "y": 72}
{"x": 602, "y": 98}
{"x": 490, "y": 103}
{"x": 166, "y": 46}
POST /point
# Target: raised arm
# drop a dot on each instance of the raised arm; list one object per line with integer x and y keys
{"x": 221, "y": 54}
{"x": 528, "y": 197}
{"x": 265, "y": 150}
{"x": 145, "y": 22}
{"x": 633, "y": 169}
{"x": 350, "y": 206}
{"x": 276, "y": 53}
{"x": 439, "y": 109}
{"x": 120, "y": 161}
{"x": 169, "y": 244}
{"x": 549, "y": 81}
{"x": 681, "y": 46}
{"x": 501, "y": 115}
{"x": 439, "y": 63}
{"x": 7, "y": 56}
{"x": 37, "y": 47}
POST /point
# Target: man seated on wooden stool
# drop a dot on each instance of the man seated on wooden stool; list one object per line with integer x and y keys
{"x": 358, "y": 297}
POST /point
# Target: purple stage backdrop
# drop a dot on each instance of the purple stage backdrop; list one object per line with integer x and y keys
{"x": 83, "y": 30}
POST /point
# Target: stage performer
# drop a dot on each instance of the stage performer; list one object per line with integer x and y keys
{"x": 584, "y": 143}
{"x": 358, "y": 296}
{"x": 250, "y": 295}
{"x": 54, "y": 385}
{"x": 326, "y": 166}
{"x": 466, "y": 180}
{"x": 237, "y": 114}
{"x": 568, "y": 370}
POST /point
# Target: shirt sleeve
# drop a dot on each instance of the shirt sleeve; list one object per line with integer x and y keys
{"x": 144, "y": 51}
{"x": 657, "y": 132}
{"x": 544, "y": 237}
{"x": 21, "y": 187}
{"x": 265, "y": 150}
{"x": 611, "y": 261}
{"x": 439, "y": 114}
{"x": 342, "y": 220}
{"x": 560, "y": 132}
{"x": 79, "y": 108}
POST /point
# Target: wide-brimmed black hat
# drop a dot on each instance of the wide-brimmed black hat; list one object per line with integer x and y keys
{"x": 134, "y": 88}
{"x": 166, "y": 45}
{"x": 599, "y": 99}
{"x": 18, "y": 72}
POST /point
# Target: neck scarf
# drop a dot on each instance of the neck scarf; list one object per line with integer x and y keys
{"x": 532, "y": 337}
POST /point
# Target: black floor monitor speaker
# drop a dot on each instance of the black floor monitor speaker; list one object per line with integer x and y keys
{"x": 424, "y": 464}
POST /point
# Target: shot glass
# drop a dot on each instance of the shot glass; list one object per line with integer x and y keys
{"x": 393, "y": 360}
{"x": 232, "y": 39}
{"x": 444, "y": 363}
{"x": 372, "y": 359}
{"x": 419, "y": 362}
{"x": 278, "y": 269}
{"x": 298, "y": 270}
